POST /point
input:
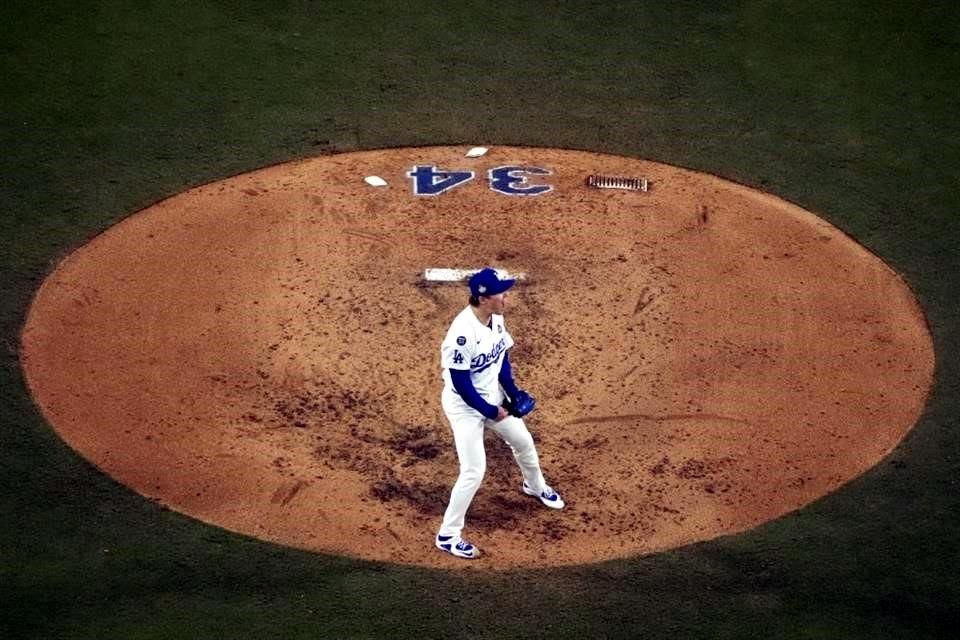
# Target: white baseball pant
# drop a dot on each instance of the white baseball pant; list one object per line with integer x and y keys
{"x": 468, "y": 428}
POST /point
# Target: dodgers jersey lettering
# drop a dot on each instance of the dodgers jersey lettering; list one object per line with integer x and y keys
{"x": 470, "y": 345}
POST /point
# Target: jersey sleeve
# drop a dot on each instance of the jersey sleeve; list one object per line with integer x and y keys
{"x": 464, "y": 386}
{"x": 457, "y": 350}
{"x": 506, "y": 377}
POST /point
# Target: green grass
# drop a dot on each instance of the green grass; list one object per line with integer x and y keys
{"x": 848, "y": 109}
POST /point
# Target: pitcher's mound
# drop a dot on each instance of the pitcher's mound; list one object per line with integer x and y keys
{"x": 262, "y": 353}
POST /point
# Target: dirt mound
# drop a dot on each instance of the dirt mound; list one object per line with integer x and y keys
{"x": 262, "y": 354}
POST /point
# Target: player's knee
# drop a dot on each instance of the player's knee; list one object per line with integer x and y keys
{"x": 472, "y": 475}
{"x": 523, "y": 444}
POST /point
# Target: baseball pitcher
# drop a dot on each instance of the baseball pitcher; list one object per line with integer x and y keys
{"x": 478, "y": 393}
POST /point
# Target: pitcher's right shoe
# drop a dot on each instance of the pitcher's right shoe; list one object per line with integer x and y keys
{"x": 457, "y": 546}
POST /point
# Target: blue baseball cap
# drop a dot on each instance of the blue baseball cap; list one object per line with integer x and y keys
{"x": 487, "y": 282}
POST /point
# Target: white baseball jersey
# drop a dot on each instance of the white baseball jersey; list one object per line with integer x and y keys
{"x": 470, "y": 345}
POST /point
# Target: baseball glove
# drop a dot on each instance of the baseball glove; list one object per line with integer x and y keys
{"x": 521, "y": 404}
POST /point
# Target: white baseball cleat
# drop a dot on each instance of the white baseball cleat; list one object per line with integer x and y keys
{"x": 548, "y": 496}
{"x": 457, "y": 546}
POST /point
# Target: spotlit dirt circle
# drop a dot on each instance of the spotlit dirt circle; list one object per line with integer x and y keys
{"x": 262, "y": 353}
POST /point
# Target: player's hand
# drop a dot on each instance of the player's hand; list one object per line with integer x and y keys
{"x": 501, "y": 414}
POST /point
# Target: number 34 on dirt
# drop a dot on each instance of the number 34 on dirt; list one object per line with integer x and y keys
{"x": 510, "y": 180}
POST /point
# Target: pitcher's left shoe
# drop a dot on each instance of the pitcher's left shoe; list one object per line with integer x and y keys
{"x": 457, "y": 546}
{"x": 548, "y": 496}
